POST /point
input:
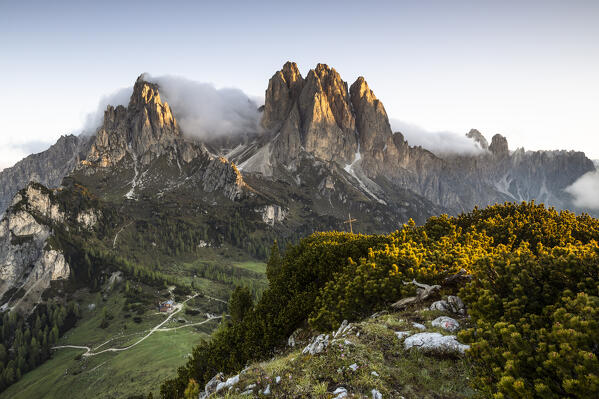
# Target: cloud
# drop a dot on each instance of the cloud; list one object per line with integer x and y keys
{"x": 585, "y": 190}
{"x": 436, "y": 142}
{"x": 94, "y": 119}
{"x": 202, "y": 110}
{"x": 13, "y": 152}
{"x": 205, "y": 112}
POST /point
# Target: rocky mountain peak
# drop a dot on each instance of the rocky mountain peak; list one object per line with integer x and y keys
{"x": 283, "y": 90}
{"x": 312, "y": 113}
{"x": 478, "y": 138}
{"x": 371, "y": 118}
{"x": 327, "y": 120}
{"x": 499, "y": 146}
{"x": 144, "y": 129}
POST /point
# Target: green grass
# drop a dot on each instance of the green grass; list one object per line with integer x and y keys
{"x": 255, "y": 266}
{"x": 140, "y": 369}
{"x": 111, "y": 375}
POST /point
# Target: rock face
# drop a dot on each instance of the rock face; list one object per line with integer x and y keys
{"x": 221, "y": 175}
{"x": 446, "y": 323}
{"x": 27, "y": 266}
{"x": 499, "y": 146}
{"x": 272, "y": 214}
{"x": 48, "y": 167}
{"x": 312, "y": 113}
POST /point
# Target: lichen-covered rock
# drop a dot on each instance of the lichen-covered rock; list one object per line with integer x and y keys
{"x": 456, "y": 305}
{"x": 228, "y": 384}
{"x": 211, "y": 385}
{"x": 453, "y": 304}
{"x": 343, "y": 329}
{"x": 446, "y": 323}
{"x": 317, "y": 345}
{"x": 435, "y": 342}
{"x": 441, "y": 306}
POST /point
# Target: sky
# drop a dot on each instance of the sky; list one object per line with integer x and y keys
{"x": 525, "y": 69}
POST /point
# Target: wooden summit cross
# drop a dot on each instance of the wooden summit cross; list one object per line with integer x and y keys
{"x": 350, "y": 220}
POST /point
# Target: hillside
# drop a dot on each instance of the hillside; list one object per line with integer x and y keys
{"x": 528, "y": 276}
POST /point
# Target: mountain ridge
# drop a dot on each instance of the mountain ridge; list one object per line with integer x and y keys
{"x": 317, "y": 116}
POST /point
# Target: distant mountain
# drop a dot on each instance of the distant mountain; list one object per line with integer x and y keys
{"x": 307, "y": 123}
{"x": 48, "y": 167}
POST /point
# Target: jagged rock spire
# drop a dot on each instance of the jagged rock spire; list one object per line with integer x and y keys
{"x": 371, "y": 117}
{"x": 144, "y": 129}
{"x": 478, "y": 138}
{"x": 499, "y": 146}
{"x": 313, "y": 113}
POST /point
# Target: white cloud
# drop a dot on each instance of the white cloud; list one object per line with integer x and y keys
{"x": 442, "y": 142}
{"x": 202, "y": 110}
{"x": 205, "y": 112}
{"x": 585, "y": 190}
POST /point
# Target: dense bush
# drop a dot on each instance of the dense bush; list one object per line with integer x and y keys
{"x": 537, "y": 322}
{"x": 533, "y": 296}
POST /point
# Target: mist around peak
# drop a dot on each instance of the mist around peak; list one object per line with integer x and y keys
{"x": 440, "y": 142}
{"x": 202, "y": 110}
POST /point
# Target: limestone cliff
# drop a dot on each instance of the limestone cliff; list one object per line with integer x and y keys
{"x": 27, "y": 263}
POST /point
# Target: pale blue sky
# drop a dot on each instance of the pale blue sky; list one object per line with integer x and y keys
{"x": 526, "y": 69}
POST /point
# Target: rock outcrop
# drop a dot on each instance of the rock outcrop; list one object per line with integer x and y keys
{"x": 436, "y": 343}
{"x": 222, "y": 175}
{"x": 27, "y": 265}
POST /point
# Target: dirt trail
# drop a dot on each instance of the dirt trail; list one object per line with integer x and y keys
{"x": 88, "y": 350}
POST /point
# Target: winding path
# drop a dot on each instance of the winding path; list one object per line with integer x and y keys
{"x": 153, "y": 330}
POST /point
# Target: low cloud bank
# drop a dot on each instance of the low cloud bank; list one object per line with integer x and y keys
{"x": 205, "y": 112}
{"x": 585, "y": 191}
{"x": 436, "y": 142}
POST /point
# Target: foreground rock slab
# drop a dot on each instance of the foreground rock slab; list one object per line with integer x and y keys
{"x": 435, "y": 342}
